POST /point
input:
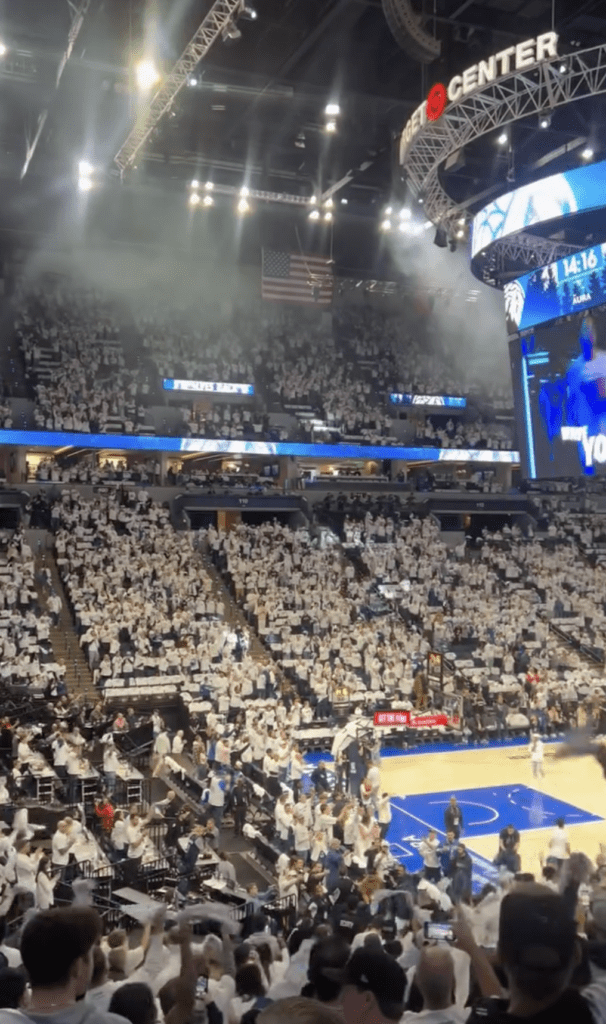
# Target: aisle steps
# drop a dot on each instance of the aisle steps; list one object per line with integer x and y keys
{"x": 64, "y": 638}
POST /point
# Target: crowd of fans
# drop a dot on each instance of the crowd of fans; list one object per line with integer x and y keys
{"x": 345, "y": 924}
{"x": 94, "y": 364}
{"x": 463, "y": 435}
{"x": 89, "y": 469}
{"x": 27, "y": 660}
{"x": 341, "y": 616}
{"x": 346, "y": 933}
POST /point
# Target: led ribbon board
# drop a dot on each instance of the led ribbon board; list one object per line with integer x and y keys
{"x": 147, "y": 443}
{"x": 446, "y": 401}
{"x": 568, "y": 286}
{"x": 560, "y": 195}
{"x": 214, "y": 387}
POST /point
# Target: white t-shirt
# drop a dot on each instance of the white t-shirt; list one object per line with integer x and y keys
{"x": 558, "y": 843}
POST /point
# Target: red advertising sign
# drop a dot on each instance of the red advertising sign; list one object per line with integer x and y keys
{"x": 384, "y": 718}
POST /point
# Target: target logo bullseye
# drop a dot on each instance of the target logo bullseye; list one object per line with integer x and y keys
{"x": 436, "y": 102}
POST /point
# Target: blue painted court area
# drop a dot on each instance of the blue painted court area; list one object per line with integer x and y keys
{"x": 485, "y": 812}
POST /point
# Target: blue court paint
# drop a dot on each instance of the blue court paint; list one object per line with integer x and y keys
{"x": 485, "y": 812}
{"x": 405, "y": 834}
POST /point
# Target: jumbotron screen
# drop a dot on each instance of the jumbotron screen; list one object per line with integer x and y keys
{"x": 559, "y": 381}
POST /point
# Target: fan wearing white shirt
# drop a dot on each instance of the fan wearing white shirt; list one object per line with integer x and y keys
{"x": 26, "y": 865}
{"x": 559, "y": 844}
{"x": 45, "y": 885}
{"x": 61, "y": 845}
{"x": 536, "y": 756}
{"x": 178, "y": 742}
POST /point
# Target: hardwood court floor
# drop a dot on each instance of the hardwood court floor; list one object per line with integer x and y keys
{"x": 499, "y": 776}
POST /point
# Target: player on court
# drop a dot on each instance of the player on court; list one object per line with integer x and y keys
{"x": 536, "y": 756}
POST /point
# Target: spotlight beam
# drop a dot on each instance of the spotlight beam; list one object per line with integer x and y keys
{"x": 79, "y": 13}
{"x": 216, "y": 21}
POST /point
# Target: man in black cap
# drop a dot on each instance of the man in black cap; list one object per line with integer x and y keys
{"x": 539, "y": 950}
{"x": 373, "y": 988}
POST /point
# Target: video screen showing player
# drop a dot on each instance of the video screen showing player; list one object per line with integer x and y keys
{"x": 559, "y": 375}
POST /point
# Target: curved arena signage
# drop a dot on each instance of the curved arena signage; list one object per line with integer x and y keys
{"x": 513, "y": 58}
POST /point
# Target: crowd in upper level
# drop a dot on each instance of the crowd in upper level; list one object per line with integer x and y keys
{"x": 96, "y": 365}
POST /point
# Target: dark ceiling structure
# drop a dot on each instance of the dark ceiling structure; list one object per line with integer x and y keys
{"x": 254, "y": 111}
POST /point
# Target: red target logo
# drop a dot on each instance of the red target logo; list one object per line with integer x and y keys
{"x": 436, "y": 102}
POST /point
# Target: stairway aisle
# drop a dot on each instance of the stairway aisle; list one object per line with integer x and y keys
{"x": 64, "y": 638}
{"x": 235, "y": 617}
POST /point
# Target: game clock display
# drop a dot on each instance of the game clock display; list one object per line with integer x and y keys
{"x": 572, "y": 284}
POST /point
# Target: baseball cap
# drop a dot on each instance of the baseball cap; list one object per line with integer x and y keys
{"x": 375, "y": 971}
{"x": 536, "y": 929}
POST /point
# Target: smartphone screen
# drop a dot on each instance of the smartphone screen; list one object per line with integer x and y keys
{"x": 201, "y": 986}
{"x": 438, "y": 930}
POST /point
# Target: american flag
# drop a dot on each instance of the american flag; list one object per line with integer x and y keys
{"x": 292, "y": 277}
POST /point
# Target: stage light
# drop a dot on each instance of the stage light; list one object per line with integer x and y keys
{"x": 503, "y": 139}
{"x": 344, "y": 202}
{"x": 209, "y": 186}
{"x": 428, "y": 224}
{"x": 461, "y": 222}
{"x": 545, "y": 120}
{"x": 194, "y": 199}
{"x": 84, "y": 184}
{"x": 313, "y": 200}
{"x": 386, "y": 225}
{"x": 147, "y": 75}
{"x": 248, "y": 12}
{"x": 328, "y": 216}
{"x": 562, "y": 69}
{"x": 192, "y": 82}
{"x": 244, "y": 191}
{"x": 388, "y": 211}
{"x": 405, "y": 213}
{"x": 331, "y": 127}
{"x": 208, "y": 201}
{"x": 85, "y": 169}
{"x": 314, "y": 215}
{"x": 2, "y": 49}
{"x": 460, "y": 234}
{"x": 231, "y": 33}
{"x": 195, "y": 183}
{"x": 587, "y": 153}
{"x": 332, "y": 110}
{"x": 329, "y": 203}
{"x": 420, "y": 200}
{"x": 243, "y": 206}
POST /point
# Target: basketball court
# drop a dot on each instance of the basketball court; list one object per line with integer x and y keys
{"x": 494, "y": 787}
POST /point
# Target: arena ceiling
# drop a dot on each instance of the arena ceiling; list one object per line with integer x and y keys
{"x": 256, "y": 112}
